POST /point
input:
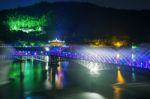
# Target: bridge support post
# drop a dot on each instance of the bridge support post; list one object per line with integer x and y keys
{"x": 53, "y": 61}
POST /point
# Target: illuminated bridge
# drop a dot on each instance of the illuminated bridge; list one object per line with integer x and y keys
{"x": 135, "y": 57}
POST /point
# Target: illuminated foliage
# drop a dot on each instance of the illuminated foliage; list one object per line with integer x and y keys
{"x": 26, "y": 23}
{"x": 105, "y": 42}
{"x": 97, "y": 43}
{"x": 119, "y": 43}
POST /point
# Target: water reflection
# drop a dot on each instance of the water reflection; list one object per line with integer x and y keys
{"x": 120, "y": 79}
{"x": 117, "y": 87}
{"x": 59, "y": 77}
{"x": 36, "y": 77}
{"x": 55, "y": 77}
{"x": 117, "y": 92}
{"x": 133, "y": 75}
{"x": 6, "y": 53}
{"x": 21, "y": 91}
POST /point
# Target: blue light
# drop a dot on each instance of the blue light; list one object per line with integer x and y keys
{"x": 121, "y": 56}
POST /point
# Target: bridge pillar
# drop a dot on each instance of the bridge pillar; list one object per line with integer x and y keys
{"x": 53, "y": 61}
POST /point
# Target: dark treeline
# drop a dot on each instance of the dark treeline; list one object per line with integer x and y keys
{"x": 77, "y": 22}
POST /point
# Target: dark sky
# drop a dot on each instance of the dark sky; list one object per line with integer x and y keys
{"x": 121, "y": 4}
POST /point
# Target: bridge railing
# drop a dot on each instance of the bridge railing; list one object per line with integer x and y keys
{"x": 138, "y": 57}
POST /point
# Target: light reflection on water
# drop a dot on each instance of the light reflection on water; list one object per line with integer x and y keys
{"x": 120, "y": 78}
{"x": 37, "y": 76}
{"x": 119, "y": 81}
{"x": 55, "y": 78}
{"x": 40, "y": 76}
{"x": 117, "y": 92}
{"x": 133, "y": 75}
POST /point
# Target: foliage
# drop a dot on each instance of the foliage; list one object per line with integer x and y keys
{"x": 26, "y": 23}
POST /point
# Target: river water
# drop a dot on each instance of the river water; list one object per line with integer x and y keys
{"x": 71, "y": 80}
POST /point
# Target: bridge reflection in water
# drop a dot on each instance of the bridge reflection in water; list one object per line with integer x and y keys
{"x": 38, "y": 71}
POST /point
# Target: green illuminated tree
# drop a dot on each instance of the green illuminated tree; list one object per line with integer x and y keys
{"x": 26, "y": 23}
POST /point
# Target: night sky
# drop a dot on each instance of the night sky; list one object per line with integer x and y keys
{"x": 120, "y": 4}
